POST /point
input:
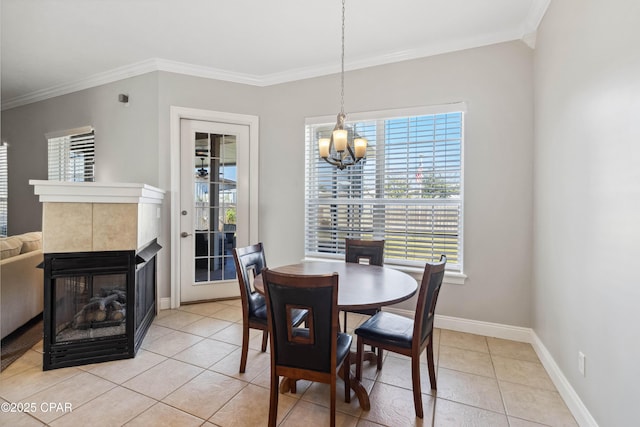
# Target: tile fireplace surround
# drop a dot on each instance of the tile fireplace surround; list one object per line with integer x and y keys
{"x": 100, "y": 245}
{"x": 96, "y": 216}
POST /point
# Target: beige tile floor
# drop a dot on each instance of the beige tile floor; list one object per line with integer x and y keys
{"x": 186, "y": 374}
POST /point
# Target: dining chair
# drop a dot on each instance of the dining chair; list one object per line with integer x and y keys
{"x": 373, "y": 252}
{"x": 315, "y": 352}
{"x": 406, "y": 336}
{"x": 249, "y": 262}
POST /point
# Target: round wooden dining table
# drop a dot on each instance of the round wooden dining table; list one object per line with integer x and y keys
{"x": 360, "y": 286}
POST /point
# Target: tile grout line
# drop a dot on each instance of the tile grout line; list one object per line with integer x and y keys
{"x": 246, "y": 383}
{"x": 493, "y": 366}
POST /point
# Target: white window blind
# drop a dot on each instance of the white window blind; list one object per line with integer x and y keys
{"x": 408, "y": 190}
{"x": 4, "y": 189}
{"x": 72, "y": 157}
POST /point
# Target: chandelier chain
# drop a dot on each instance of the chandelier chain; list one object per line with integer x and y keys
{"x": 345, "y": 147}
{"x": 342, "y": 63}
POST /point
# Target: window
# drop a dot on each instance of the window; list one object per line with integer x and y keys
{"x": 4, "y": 189}
{"x": 71, "y": 155}
{"x": 408, "y": 189}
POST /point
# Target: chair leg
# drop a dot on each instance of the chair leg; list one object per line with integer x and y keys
{"x": 379, "y": 358}
{"x": 265, "y": 340}
{"x": 417, "y": 392}
{"x": 344, "y": 326}
{"x": 346, "y": 365}
{"x": 359, "y": 359}
{"x": 245, "y": 348}
{"x": 432, "y": 370}
{"x": 273, "y": 400}
{"x": 332, "y": 422}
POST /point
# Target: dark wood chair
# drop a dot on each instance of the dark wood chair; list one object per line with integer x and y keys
{"x": 407, "y": 336}
{"x": 313, "y": 353}
{"x": 249, "y": 262}
{"x": 373, "y": 252}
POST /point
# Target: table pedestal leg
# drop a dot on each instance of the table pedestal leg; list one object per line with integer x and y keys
{"x": 368, "y": 356}
{"x": 358, "y": 389}
{"x": 289, "y": 384}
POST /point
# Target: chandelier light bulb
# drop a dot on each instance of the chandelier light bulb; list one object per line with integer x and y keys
{"x": 340, "y": 139}
{"x": 323, "y": 146}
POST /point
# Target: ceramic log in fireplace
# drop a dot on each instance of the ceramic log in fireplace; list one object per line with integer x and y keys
{"x": 98, "y": 305}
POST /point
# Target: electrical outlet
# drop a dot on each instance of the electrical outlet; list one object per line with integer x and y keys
{"x": 581, "y": 363}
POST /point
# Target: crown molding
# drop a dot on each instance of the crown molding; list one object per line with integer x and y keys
{"x": 120, "y": 73}
{"x": 534, "y": 17}
{"x": 526, "y": 33}
{"x": 159, "y": 64}
{"x": 207, "y": 72}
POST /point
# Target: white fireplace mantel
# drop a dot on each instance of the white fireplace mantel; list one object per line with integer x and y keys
{"x": 98, "y": 216}
{"x": 96, "y": 192}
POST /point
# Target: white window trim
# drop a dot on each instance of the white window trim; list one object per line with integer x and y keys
{"x": 451, "y": 276}
{"x": 68, "y": 132}
{"x": 393, "y": 113}
{"x": 175, "y": 115}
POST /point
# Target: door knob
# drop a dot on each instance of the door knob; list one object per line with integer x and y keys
{"x": 184, "y": 234}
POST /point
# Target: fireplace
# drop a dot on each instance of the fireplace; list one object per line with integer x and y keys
{"x": 100, "y": 269}
{"x": 98, "y": 305}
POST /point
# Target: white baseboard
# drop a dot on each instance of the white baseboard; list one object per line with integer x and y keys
{"x": 497, "y": 330}
{"x": 165, "y": 303}
{"x": 571, "y": 398}
{"x": 516, "y": 333}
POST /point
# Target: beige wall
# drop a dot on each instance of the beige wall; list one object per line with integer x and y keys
{"x": 494, "y": 81}
{"x": 199, "y": 93}
{"x": 126, "y": 140}
{"x": 496, "y": 84}
{"x": 587, "y": 200}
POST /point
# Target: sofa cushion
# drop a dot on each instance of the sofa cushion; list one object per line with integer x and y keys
{"x": 10, "y": 246}
{"x": 30, "y": 241}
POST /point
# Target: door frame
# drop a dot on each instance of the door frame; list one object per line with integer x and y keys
{"x": 177, "y": 114}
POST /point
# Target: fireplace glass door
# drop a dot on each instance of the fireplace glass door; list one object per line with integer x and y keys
{"x": 98, "y": 306}
{"x": 89, "y": 306}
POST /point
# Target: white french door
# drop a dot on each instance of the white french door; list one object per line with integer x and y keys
{"x": 214, "y": 207}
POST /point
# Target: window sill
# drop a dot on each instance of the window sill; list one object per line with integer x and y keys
{"x": 450, "y": 277}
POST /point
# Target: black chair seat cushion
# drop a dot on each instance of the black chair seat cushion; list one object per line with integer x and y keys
{"x": 387, "y": 328}
{"x": 343, "y": 346}
{"x": 260, "y": 315}
{"x": 257, "y": 303}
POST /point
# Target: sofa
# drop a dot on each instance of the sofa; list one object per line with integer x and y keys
{"x": 21, "y": 281}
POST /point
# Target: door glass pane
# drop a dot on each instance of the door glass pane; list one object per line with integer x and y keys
{"x": 215, "y": 207}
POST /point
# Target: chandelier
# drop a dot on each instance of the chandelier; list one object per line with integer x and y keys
{"x": 338, "y": 150}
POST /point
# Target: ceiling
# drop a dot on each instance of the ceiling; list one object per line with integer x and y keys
{"x": 52, "y": 47}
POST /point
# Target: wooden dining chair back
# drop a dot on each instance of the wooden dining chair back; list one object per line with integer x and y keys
{"x": 315, "y": 352}
{"x": 406, "y": 336}
{"x": 249, "y": 262}
{"x": 370, "y": 250}
{"x": 357, "y": 250}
